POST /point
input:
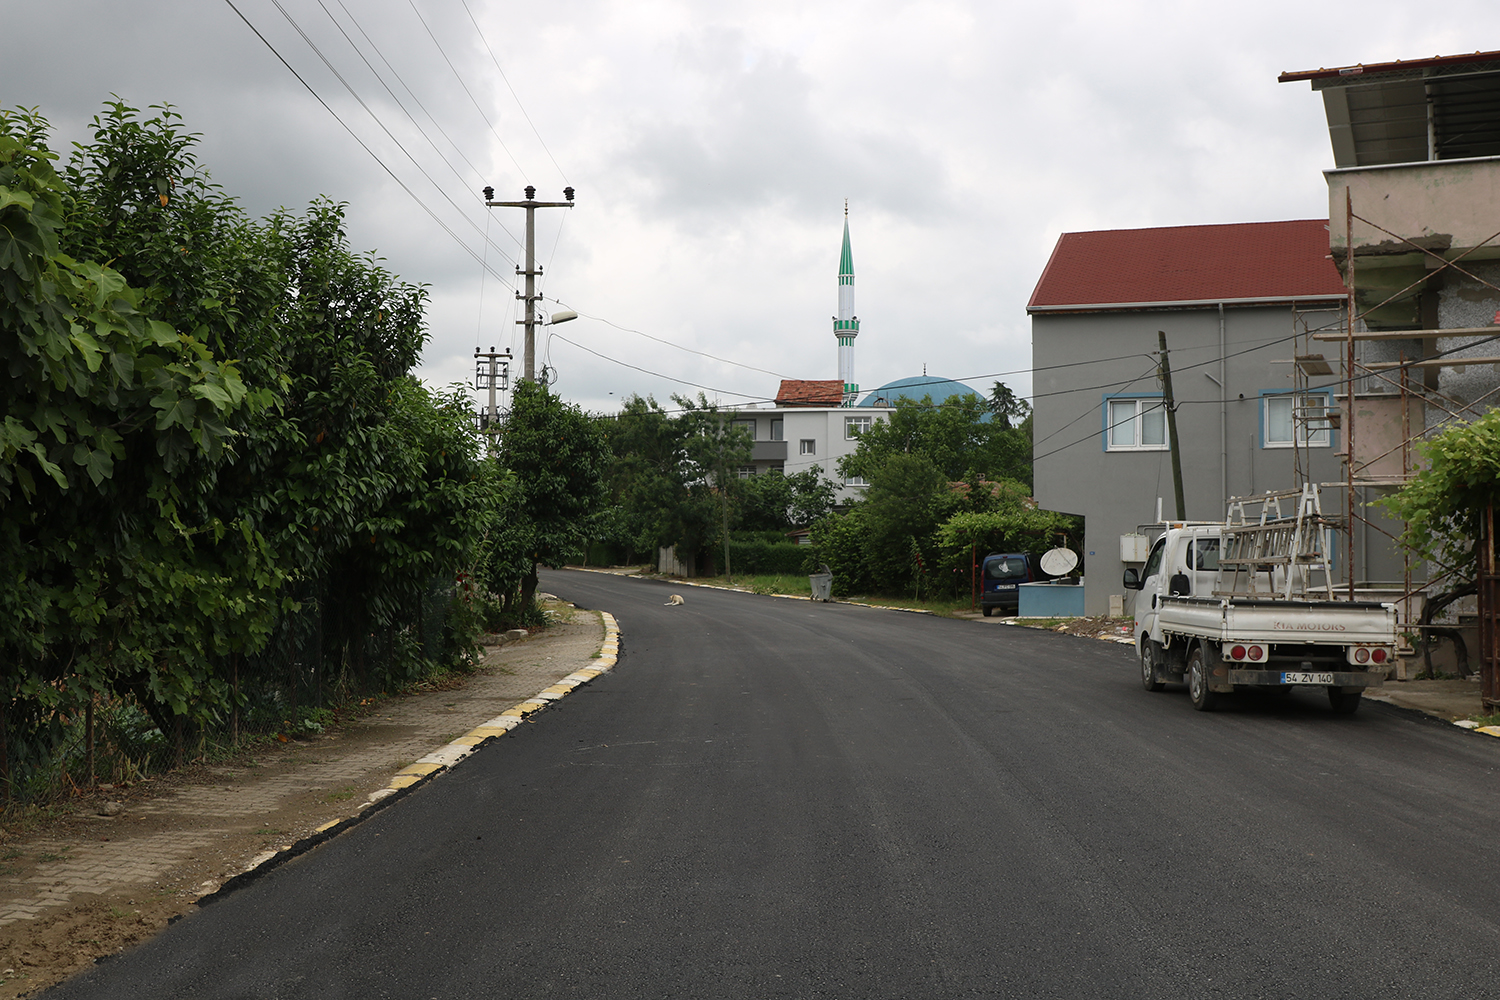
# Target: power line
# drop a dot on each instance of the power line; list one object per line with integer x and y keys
{"x": 659, "y": 340}
{"x": 480, "y": 32}
{"x": 465, "y": 86}
{"x": 647, "y": 371}
{"x": 355, "y": 94}
{"x": 362, "y": 145}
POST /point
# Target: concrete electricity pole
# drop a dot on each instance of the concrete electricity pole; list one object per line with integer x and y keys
{"x": 1171, "y": 404}
{"x": 492, "y": 372}
{"x": 528, "y": 358}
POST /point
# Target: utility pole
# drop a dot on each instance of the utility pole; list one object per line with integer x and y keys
{"x": 492, "y": 372}
{"x": 528, "y": 358}
{"x": 1171, "y": 404}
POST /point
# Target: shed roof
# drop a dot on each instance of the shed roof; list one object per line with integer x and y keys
{"x": 810, "y": 392}
{"x": 1188, "y": 265}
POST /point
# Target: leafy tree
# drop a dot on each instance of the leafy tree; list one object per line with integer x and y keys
{"x": 1006, "y": 519}
{"x": 107, "y": 412}
{"x": 673, "y": 478}
{"x": 957, "y": 436}
{"x": 558, "y": 457}
{"x": 908, "y": 497}
{"x": 778, "y": 502}
{"x": 164, "y": 505}
{"x": 1444, "y": 506}
{"x": 1008, "y": 408}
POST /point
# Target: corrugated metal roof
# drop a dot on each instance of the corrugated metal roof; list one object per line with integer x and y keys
{"x": 810, "y": 392}
{"x": 1136, "y": 268}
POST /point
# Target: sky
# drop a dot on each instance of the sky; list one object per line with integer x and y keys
{"x": 713, "y": 146}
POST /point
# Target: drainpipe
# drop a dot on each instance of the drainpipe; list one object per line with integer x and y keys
{"x": 1223, "y": 417}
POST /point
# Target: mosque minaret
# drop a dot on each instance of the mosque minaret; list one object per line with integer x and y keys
{"x": 846, "y": 324}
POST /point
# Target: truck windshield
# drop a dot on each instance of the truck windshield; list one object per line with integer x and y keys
{"x": 1005, "y": 568}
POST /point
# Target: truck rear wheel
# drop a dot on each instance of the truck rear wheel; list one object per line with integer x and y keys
{"x": 1149, "y": 679}
{"x": 1203, "y": 699}
{"x": 1344, "y": 702}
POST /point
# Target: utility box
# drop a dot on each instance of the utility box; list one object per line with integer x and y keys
{"x": 1053, "y": 599}
{"x": 1134, "y": 548}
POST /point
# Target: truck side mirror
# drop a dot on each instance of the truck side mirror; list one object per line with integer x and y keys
{"x": 1132, "y": 579}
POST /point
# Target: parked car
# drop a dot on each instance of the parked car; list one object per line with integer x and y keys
{"x": 1001, "y": 576}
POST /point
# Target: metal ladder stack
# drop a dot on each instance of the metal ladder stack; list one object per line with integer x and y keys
{"x": 1261, "y": 536}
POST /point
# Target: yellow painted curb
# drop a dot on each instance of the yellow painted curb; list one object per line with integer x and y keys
{"x": 328, "y": 826}
{"x": 500, "y": 725}
{"x": 1489, "y": 730}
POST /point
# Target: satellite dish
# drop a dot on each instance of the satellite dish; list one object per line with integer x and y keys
{"x": 1059, "y": 562}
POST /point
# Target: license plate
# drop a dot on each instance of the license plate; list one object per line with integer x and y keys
{"x": 1305, "y": 678}
{"x": 1005, "y": 586}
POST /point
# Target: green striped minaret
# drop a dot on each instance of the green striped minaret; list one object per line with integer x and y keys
{"x": 846, "y": 324}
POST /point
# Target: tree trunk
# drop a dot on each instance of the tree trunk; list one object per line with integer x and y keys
{"x": 528, "y": 589}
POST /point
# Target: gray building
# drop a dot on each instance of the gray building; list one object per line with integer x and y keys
{"x": 1237, "y": 304}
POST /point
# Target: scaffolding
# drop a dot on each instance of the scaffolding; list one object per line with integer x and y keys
{"x": 1413, "y": 388}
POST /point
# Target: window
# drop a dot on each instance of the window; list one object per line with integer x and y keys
{"x": 1135, "y": 424}
{"x": 856, "y": 481}
{"x": 1204, "y": 554}
{"x": 745, "y": 471}
{"x": 1292, "y": 418}
{"x": 776, "y": 426}
{"x": 855, "y": 426}
{"x": 807, "y": 446}
{"x": 748, "y": 426}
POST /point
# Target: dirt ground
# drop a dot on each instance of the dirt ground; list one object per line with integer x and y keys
{"x": 111, "y": 868}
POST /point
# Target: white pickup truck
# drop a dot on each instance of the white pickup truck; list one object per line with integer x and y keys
{"x": 1192, "y": 626}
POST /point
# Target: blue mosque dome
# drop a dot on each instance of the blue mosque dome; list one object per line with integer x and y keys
{"x": 914, "y": 388}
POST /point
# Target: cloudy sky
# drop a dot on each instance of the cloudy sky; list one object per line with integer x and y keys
{"x": 713, "y": 145}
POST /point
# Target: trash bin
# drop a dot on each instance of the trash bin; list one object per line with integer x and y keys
{"x": 822, "y": 584}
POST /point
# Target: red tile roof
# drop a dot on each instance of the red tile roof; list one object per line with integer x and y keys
{"x": 810, "y": 392}
{"x": 1117, "y": 268}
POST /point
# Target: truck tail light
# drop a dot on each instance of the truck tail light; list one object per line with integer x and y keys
{"x": 1257, "y": 653}
{"x": 1379, "y": 656}
{"x": 1361, "y": 655}
{"x": 1237, "y": 653}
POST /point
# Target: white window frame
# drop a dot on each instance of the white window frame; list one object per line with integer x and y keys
{"x": 1115, "y": 422}
{"x": 748, "y": 425}
{"x": 852, "y": 432}
{"x": 776, "y": 428}
{"x": 856, "y": 481}
{"x": 807, "y": 446}
{"x": 1304, "y": 438}
{"x": 745, "y": 471}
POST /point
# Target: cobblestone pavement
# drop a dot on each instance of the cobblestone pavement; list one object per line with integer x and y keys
{"x": 187, "y": 836}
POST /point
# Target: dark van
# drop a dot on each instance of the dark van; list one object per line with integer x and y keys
{"x": 1000, "y": 576}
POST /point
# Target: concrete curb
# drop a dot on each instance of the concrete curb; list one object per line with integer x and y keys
{"x": 435, "y": 763}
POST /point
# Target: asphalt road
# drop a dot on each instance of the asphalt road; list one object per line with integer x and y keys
{"x": 775, "y": 798}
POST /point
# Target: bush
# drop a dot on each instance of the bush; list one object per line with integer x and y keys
{"x": 843, "y": 542}
{"x": 761, "y": 556}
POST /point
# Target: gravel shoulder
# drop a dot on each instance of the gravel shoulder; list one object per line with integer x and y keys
{"x": 116, "y": 866}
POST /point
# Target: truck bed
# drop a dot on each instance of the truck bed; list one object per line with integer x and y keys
{"x": 1335, "y": 623}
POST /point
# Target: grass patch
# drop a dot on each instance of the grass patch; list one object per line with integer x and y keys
{"x": 267, "y": 831}
{"x": 342, "y": 795}
{"x": 772, "y": 583}
{"x": 1042, "y": 622}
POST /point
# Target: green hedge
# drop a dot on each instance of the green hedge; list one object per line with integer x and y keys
{"x": 762, "y": 556}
